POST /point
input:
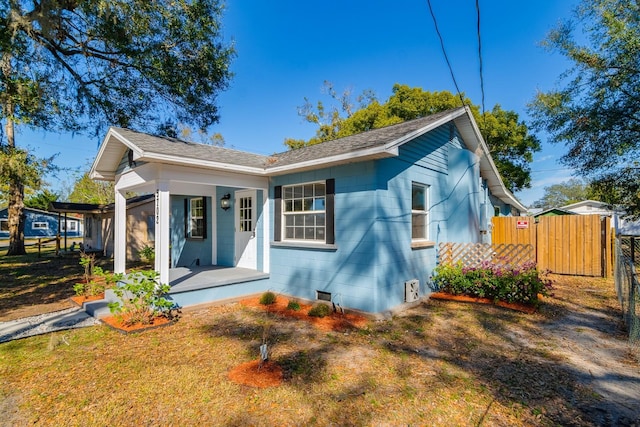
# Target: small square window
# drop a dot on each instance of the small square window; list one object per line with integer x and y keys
{"x": 196, "y": 218}
{"x": 419, "y": 211}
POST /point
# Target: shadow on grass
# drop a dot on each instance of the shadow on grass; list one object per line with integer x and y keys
{"x": 28, "y": 280}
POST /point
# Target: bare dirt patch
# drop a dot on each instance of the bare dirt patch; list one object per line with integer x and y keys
{"x": 256, "y": 374}
{"x": 119, "y": 323}
{"x": 463, "y": 298}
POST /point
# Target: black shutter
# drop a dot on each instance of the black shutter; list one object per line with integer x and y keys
{"x": 330, "y": 207}
{"x": 204, "y": 217}
{"x": 186, "y": 218}
{"x": 277, "y": 213}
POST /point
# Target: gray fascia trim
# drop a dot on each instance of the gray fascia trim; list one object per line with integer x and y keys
{"x": 203, "y": 163}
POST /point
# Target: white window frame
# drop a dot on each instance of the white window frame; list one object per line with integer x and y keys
{"x": 69, "y": 225}
{"x": 39, "y": 225}
{"x": 4, "y": 225}
{"x": 193, "y": 218}
{"x": 424, "y": 213}
{"x": 295, "y": 213}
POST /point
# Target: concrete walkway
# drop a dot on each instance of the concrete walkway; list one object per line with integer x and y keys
{"x": 70, "y": 318}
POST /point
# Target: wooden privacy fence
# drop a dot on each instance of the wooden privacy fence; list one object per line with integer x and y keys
{"x": 567, "y": 244}
{"x": 474, "y": 254}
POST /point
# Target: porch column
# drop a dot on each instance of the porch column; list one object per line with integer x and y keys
{"x": 120, "y": 233}
{"x": 162, "y": 243}
{"x": 266, "y": 235}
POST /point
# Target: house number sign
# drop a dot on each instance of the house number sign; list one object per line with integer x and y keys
{"x": 157, "y": 207}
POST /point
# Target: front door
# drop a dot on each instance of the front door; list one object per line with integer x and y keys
{"x": 245, "y": 213}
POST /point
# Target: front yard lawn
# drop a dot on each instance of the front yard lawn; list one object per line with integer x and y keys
{"x": 442, "y": 363}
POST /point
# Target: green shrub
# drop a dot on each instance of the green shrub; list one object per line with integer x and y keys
{"x": 147, "y": 254}
{"x": 293, "y": 305}
{"x": 142, "y": 298}
{"x": 268, "y": 298}
{"x": 319, "y": 310}
{"x": 494, "y": 281}
{"x": 96, "y": 279}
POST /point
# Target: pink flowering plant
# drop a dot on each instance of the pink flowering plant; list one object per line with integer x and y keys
{"x": 499, "y": 282}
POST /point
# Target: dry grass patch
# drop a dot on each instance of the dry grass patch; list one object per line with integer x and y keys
{"x": 441, "y": 364}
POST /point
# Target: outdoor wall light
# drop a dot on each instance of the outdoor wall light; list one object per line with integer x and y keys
{"x": 225, "y": 201}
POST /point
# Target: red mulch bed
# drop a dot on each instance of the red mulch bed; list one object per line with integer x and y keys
{"x": 337, "y": 322}
{"x": 463, "y": 298}
{"x": 116, "y": 322}
{"x": 254, "y": 375}
{"x": 81, "y": 299}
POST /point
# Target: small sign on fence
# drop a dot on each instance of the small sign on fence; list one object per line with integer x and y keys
{"x": 522, "y": 223}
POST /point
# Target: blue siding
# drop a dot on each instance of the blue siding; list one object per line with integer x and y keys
{"x": 374, "y": 256}
{"x": 188, "y": 252}
{"x": 123, "y": 166}
{"x": 464, "y": 202}
{"x": 225, "y": 229}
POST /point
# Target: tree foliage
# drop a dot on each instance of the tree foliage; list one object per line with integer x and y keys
{"x": 18, "y": 165}
{"x": 509, "y": 141}
{"x": 41, "y": 200}
{"x": 78, "y": 65}
{"x": 596, "y": 112}
{"x": 86, "y": 190}
{"x": 564, "y": 193}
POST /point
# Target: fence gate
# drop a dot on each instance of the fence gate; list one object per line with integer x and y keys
{"x": 568, "y": 244}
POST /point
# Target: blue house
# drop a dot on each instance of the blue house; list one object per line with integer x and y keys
{"x": 356, "y": 221}
{"x": 39, "y": 223}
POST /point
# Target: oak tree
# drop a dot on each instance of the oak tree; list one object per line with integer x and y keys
{"x": 507, "y": 137}
{"x": 595, "y": 111}
{"x": 80, "y": 65}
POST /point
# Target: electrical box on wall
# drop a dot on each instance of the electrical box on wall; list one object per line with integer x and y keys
{"x": 411, "y": 290}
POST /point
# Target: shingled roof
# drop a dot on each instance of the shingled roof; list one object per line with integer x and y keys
{"x": 175, "y": 147}
{"x": 373, "y": 138}
{"x": 373, "y": 144}
{"x": 146, "y": 144}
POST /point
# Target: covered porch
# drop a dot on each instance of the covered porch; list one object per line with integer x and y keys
{"x": 211, "y": 207}
{"x": 185, "y": 279}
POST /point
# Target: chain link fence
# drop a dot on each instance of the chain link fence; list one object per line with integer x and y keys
{"x": 627, "y": 264}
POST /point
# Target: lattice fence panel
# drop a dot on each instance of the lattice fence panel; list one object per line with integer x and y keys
{"x": 474, "y": 254}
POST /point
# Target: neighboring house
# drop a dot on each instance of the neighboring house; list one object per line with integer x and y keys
{"x": 623, "y": 227}
{"x": 356, "y": 220}
{"x": 98, "y": 220}
{"x": 590, "y": 207}
{"x": 553, "y": 212}
{"x": 39, "y": 223}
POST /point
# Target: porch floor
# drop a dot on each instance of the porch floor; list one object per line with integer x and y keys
{"x": 183, "y": 279}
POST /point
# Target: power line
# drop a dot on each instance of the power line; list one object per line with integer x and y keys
{"x": 435, "y": 23}
{"x": 480, "y": 55}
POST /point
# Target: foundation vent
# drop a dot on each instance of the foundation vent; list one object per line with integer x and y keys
{"x": 411, "y": 290}
{"x": 323, "y": 296}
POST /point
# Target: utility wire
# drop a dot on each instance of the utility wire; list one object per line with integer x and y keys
{"x": 453, "y": 77}
{"x": 480, "y": 55}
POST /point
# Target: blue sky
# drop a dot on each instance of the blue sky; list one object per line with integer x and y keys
{"x": 286, "y": 50}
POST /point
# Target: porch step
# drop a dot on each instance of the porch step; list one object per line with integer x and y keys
{"x": 97, "y": 309}
{"x": 100, "y": 308}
